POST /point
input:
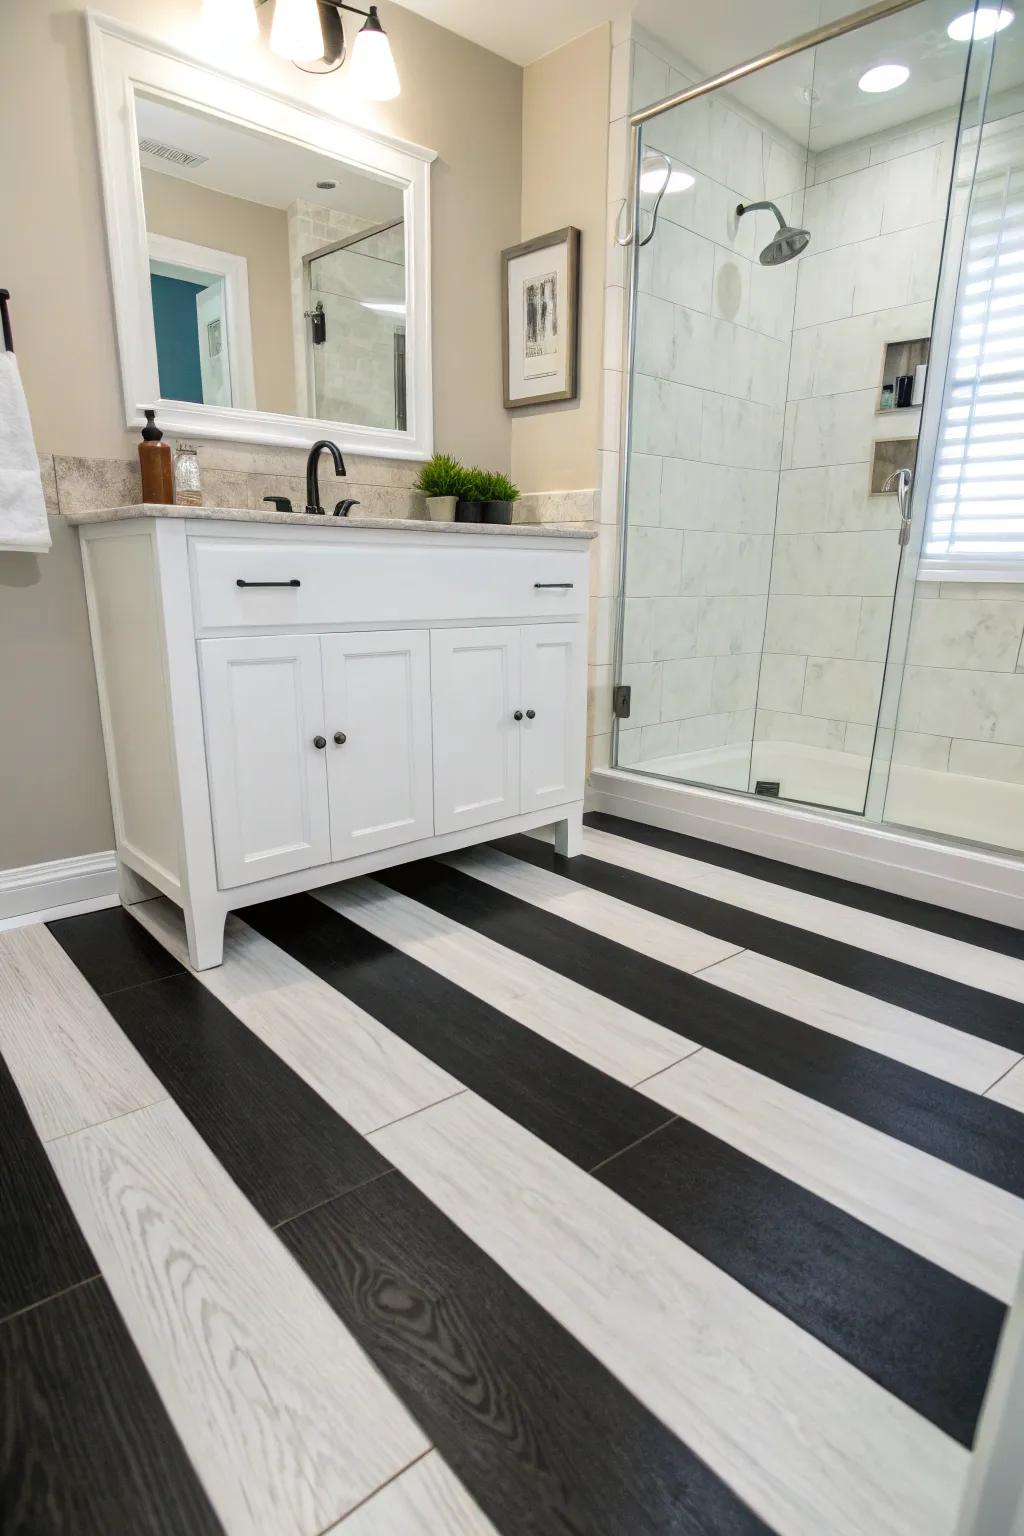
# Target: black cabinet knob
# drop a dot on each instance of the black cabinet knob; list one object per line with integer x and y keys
{"x": 340, "y": 738}
{"x": 531, "y": 714}
{"x": 518, "y": 715}
{"x": 319, "y": 742}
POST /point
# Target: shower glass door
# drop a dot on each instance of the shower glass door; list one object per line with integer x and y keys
{"x": 355, "y": 312}
{"x": 780, "y": 355}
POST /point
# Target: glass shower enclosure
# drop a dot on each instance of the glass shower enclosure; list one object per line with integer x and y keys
{"x": 796, "y": 279}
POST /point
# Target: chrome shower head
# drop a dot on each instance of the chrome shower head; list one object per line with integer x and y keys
{"x": 789, "y": 241}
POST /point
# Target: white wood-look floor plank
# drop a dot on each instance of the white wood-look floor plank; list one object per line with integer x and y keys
{"x": 72, "y": 1064}
{"x": 368, "y": 1075}
{"x": 599, "y": 1031}
{"x": 869, "y": 1021}
{"x": 969, "y": 1227}
{"x": 986, "y": 969}
{"x": 896, "y": 1032}
{"x": 687, "y": 949}
{"x": 808, "y": 1441}
{"x": 426, "y": 1500}
{"x": 1010, "y": 1089}
{"x": 286, "y": 1422}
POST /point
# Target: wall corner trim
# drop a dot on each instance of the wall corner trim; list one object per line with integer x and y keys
{"x": 38, "y": 890}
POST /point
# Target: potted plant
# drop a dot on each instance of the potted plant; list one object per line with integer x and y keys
{"x": 497, "y": 503}
{"x": 475, "y": 487}
{"x": 441, "y": 480}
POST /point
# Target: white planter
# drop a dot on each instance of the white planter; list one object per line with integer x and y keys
{"x": 441, "y": 508}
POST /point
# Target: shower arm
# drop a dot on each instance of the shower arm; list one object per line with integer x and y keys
{"x": 823, "y": 34}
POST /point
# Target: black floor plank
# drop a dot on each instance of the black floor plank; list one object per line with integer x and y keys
{"x": 546, "y": 1440}
{"x": 970, "y": 1009}
{"x": 576, "y": 1109}
{"x": 86, "y": 1447}
{"x": 951, "y": 1123}
{"x": 42, "y": 1250}
{"x": 113, "y": 950}
{"x": 903, "y": 909}
{"x": 282, "y": 1144}
{"x": 921, "y": 1333}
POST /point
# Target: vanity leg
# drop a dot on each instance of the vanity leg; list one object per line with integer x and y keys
{"x": 569, "y": 835}
{"x": 132, "y": 888}
{"x": 204, "y": 927}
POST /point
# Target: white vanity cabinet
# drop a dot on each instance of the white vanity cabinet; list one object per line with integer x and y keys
{"x": 289, "y": 705}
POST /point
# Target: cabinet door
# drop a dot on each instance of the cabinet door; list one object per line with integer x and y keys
{"x": 475, "y": 689}
{"x": 377, "y": 695}
{"x": 262, "y": 709}
{"x": 554, "y": 701}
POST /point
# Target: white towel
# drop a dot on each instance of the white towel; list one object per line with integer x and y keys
{"x": 23, "y": 524}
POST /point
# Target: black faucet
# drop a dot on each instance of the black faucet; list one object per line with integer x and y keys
{"x": 312, "y": 466}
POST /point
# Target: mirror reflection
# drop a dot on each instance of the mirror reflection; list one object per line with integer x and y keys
{"x": 277, "y": 277}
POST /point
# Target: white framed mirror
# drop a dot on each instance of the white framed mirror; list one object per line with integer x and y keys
{"x": 270, "y": 264}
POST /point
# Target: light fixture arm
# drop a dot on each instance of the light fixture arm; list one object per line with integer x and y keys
{"x": 335, "y": 50}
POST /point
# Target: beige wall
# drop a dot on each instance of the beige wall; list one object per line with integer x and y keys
{"x": 456, "y": 98}
{"x": 186, "y": 212}
{"x": 565, "y": 144}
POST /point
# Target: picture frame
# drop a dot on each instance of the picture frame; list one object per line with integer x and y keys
{"x": 540, "y": 282}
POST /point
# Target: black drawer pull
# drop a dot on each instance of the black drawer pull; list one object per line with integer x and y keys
{"x": 295, "y": 582}
{"x": 552, "y": 583}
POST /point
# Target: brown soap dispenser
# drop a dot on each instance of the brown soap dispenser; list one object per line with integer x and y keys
{"x": 155, "y": 461}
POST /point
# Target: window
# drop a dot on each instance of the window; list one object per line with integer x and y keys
{"x": 976, "y": 517}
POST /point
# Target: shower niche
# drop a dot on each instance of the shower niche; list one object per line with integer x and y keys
{"x": 903, "y": 374}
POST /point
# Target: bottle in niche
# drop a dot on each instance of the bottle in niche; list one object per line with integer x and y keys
{"x": 188, "y": 488}
{"x": 155, "y": 463}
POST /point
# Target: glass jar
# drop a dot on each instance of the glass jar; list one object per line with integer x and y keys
{"x": 188, "y": 489}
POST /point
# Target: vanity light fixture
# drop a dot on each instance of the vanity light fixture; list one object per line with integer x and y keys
{"x": 979, "y": 24}
{"x": 884, "y": 77}
{"x": 311, "y": 34}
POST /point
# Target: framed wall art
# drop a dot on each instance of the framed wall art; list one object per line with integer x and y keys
{"x": 540, "y": 323}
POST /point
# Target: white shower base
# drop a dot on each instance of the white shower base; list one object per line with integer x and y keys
{"x": 988, "y": 811}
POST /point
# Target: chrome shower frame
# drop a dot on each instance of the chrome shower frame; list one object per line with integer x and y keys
{"x": 823, "y": 34}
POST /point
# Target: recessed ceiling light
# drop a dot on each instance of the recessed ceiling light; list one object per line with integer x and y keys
{"x": 652, "y": 178}
{"x": 884, "y": 77}
{"x": 979, "y": 24}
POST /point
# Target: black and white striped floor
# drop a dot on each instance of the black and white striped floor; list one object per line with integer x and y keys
{"x": 667, "y": 1190}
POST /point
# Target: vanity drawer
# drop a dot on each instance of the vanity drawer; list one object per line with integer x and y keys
{"x": 288, "y": 583}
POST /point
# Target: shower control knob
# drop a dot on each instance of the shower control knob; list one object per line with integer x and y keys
{"x": 531, "y": 714}
{"x": 340, "y": 738}
{"x": 319, "y": 742}
{"x": 518, "y": 715}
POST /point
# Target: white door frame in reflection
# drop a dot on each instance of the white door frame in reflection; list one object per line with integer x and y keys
{"x": 126, "y": 62}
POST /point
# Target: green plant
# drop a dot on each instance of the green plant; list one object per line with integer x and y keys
{"x": 442, "y": 476}
{"x": 502, "y": 489}
{"x": 485, "y": 485}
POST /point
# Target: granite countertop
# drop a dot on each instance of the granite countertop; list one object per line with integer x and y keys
{"x": 326, "y": 523}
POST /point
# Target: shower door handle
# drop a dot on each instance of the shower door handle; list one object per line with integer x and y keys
{"x": 900, "y": 481}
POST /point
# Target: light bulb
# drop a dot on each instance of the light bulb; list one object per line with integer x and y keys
{"x": 230, "y": 21}
{"x": 652, "y": 179}
{"x": 296, "y": 33}
{"x": 372, "y": 73}
{"x": 979, "y": 24}
{"x": 884, "y": 77}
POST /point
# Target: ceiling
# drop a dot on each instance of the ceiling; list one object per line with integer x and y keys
{"x": 714, "y": 37}
{"x": 278, "y": 173}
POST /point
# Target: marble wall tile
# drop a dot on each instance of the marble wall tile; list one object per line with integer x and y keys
{"x": 563, "y": 507}
{"x": 785, "y": 168}
{"x": 917, "y": 187}
{"x": 841, "y": 161}
{"x": 734, "y": 683}
{"x": 730, "y": 290}
{"x": 860, "y": 739}
{"x": 971, "y": 635}
{"x": 601, "y": 630}
{"x": 702, "y": 732}
{"x": 781, "y": 684}
{"x": 630, "y": 747}
{"x": 611, "y": 408}
{"x": 658, "y": 741}
{"x": 717, "y": 497}
{"x": 874, "y": 628}
{"x": 725, "y": 564}
{"x": 599, "y": 700}
{"x": 225, "y": 488}
{"x": 911, "y": 749}
{"x": 607, "y": 492}
{"x": 813, "y": 626}
{"x": 845, "y": 209}
{"x": 843, "y": 355}
{"x": 987, "y": 760}
{"x": 835, "y": 564}
{"x": 728, "y": 626}
{"x": 636, "y": 628}
{"x": 839, "y": 429}
{"x": 645, "y": 490}
{"x": 655, "y": 336}
{"x": 654, "y": 558}
{"x": 773, "y": 298}
{"x": 833, "y": 498}
{"x": 739, "y": 433}
{"x": 644, "y": 678}
{"x": 890, "y": 145}
{"x": 735, "y": 150}
{"x": 708, "y": 208}
{"x": 85, "y": 485}
{"x": 667, "y": 418}
{"x": 674, "y": 625}
{"x": 649, "y": 77}
{"x": 925, "y": 260}
{"x": 824, "y": 286}
{"x": 847, "y": 690}
{"x": 678, "y": 265}
{"x": 686, "y": 687}
{"x": 976, "y": 706}
{"x": 806, "y": 730}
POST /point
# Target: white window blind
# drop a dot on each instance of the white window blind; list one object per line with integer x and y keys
{"x": 976, "y": 517}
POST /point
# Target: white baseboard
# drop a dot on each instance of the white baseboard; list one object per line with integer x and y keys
{"x": 953, "y": 875}
{"x": 39, "y": 892}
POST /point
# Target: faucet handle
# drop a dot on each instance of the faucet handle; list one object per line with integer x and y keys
{"x": 343, "y": 508}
